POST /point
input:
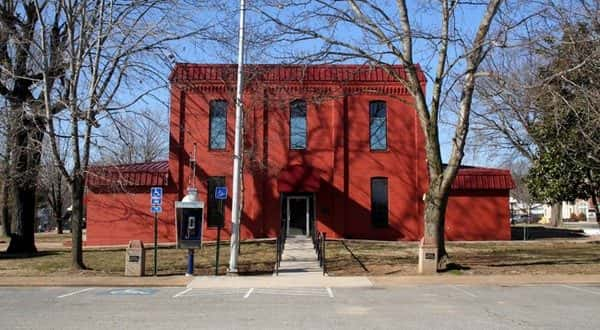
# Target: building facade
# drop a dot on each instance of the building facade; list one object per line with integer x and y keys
{"x": 332, "y": 147}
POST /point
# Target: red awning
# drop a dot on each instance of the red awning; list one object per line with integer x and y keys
{"x": 481, "y": 178}
{"x": 128, "y": 175}
{"x": 299, "y": 178}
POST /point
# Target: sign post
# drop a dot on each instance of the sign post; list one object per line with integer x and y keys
{"x": 156, "y": 194}
{"x": 220, "y": 195}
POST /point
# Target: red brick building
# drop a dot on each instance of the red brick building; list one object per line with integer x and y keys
{"x": 336, "y": 147}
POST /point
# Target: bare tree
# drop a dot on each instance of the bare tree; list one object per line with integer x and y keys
{"x": 382, "y": 34}
{"x": 535, "y": 87}
{"x": 5, "y": 168}
{"x": 115, "y": 55}
{"x": 54, "y": 187}
{"x": 20, "y": 80}
{"x": 133, "y": 138}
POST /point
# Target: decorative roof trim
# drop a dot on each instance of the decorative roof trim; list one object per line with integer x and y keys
{"x": 188, "y": 72}
{"x": 117, "y": 177}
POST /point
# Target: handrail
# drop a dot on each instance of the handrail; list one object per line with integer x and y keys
{"x": 319, "y": 242}
{"x": 280, "y": 246}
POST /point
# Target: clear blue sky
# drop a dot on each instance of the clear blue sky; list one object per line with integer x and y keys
{"x": 200, "y": 51}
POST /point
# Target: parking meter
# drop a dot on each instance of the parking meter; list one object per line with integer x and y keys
{"x": 189, "y": 217}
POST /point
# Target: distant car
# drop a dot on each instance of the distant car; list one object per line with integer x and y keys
{"x": 519, "y": 218}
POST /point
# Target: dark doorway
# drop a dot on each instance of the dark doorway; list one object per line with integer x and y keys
{"x": 298, "y": 213}
{"x": 298, "y": 216}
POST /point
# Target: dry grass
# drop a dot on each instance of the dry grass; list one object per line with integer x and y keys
{"x": 52, "y": 238}
{"x": 533, "y": 257}
{"x": 255, "y": 258}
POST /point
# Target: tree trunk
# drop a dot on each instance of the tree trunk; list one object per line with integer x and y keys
{"x": 556, "y": 215}
{"x": 26, "y": 158}
{"x": 59, "y": 225}
{"x": 56, "y": 202}
{"x": 595, "y": 202}
{"x": 6, "y": 182}
{"x": 77, "y": 191}
{"x": 5, "y": 207}
{"x": 435, "y": 222}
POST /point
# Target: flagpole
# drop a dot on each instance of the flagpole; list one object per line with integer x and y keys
{"x": 237, "y": 152}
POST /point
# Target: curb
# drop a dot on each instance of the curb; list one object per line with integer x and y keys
{"x": 502, "y": 280}
{"x": 293, "y": 281}
{"x": 49, "y": 281}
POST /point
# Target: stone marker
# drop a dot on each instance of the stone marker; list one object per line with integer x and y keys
{"x": 135, "y": 258}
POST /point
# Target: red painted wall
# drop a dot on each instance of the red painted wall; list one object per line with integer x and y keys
{"x": 337, "y": 149}
{"x": 117, "y": 218}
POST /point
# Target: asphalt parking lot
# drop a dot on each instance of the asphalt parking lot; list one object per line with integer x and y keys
{"x": 407, "y": 307}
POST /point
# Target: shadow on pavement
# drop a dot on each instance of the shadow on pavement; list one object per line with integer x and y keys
{"x": 541, "y": 232}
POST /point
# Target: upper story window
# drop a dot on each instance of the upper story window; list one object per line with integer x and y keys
{"x": 298, "y": 124}
{"x": 378, "y": 125}
{"x": 379, "y": 202}
{"x": 218, "y": 125}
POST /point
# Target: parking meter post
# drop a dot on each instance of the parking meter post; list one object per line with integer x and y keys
{"x": 190, "y": 268}
{"x": 218, "y": 250}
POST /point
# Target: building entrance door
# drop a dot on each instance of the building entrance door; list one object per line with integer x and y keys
{"x": 298, "y": 215}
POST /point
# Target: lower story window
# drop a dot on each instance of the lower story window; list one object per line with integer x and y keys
{"x": 379, "y": 202}
{"x": 216, "y": 207}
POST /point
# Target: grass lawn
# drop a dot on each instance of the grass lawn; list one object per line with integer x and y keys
{"x": 344, "y": 257}
{"x": 353, "y": 257}
{"x": 255, "y": 258}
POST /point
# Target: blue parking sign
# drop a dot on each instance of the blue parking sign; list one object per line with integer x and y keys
{"x": 220, "y": 192}
{"x": 156, "y": 209}
{"x": 156, "y": 192}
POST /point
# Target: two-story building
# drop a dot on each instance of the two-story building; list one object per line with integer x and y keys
{"x": 333, "y": 147}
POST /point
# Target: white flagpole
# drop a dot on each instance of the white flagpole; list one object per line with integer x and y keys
{"x": 237, "y": 153}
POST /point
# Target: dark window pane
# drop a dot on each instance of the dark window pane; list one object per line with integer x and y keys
{"x": 298, "y": 125}
{"x": 218, "y": 125}
{"x": 216, "y": 207}
{"x": 379, "y": 202}
{"x": 378, "y": 125}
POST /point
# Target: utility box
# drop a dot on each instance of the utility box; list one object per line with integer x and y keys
{"x": 135, "y": 258}
{"x": 189, "y": 218}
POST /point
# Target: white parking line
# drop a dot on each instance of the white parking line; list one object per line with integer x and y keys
{"x": 330, "y": 292}
{"x": 580, "y": 289}
{"x": 248, "y": 293}
{"x": 313, "y": 292}
{"x": 206, "y": 292}
{"x": 74, "y": 293}
{"x": 182, "y": 292}
{"x": 455, "y": 287}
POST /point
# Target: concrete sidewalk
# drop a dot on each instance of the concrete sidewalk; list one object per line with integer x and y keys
{"x": 301, "y": 281}
{"x": 291, "y": 281}
{"x": 508, "y": 280}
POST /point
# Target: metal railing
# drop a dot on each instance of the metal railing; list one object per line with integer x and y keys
{"x": 319, "y": 241}
{"x": 280, "y": 246}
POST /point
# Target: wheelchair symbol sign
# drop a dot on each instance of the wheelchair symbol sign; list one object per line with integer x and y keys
{"x": 221, "y": 193}
{"x": 156, "y": 192}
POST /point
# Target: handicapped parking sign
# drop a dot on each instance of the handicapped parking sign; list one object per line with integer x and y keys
{"x": 156, "y": 192}
{"x": 220, "y": 192}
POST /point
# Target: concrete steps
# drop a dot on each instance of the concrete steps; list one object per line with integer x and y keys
{"x": 299, "y": 258}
